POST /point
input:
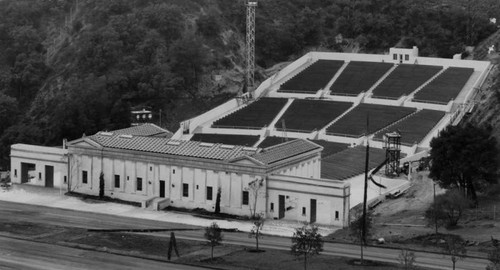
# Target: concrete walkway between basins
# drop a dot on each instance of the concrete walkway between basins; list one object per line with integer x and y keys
{"x": 55, "y": 198}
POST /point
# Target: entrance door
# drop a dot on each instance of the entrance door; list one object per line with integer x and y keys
{"x": 313, "y": 211}
{"x": 281, "y": 207}
{"x": 28, "y": 171}
{"x": 162, "y": 188}
{"x": 49, "y": 176}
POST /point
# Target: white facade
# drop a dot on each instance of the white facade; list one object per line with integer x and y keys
{"x": 39, "y": 165}
{"x": 193, "y": 182}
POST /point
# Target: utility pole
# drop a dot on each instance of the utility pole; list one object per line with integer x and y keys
{"x": 367, "y": 159}
{"x": 250, "y": 45}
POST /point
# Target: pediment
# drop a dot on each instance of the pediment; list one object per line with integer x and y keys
{"x": 85, "y": 143}
{"x": 246, "y": 160}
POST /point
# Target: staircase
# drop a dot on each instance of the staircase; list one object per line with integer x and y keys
{"x": 426, "y": 83}
{"x": 326, "y": 90}
{"x": 280, "y": 114}
{"x": 155, "y": 203}
{"x": 381, "y": 80}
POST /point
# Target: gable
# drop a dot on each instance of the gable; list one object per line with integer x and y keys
{"x": 84, "y": 143}
{"x": 246, "y": 160}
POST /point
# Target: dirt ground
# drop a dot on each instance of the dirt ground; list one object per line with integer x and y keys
{"x": 401, "y": 221}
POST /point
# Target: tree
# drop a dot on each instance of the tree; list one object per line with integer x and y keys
{"x": 356, "y": 228}
{"x": 464, "y": 157}
{"x": 455, "y": 250}
{"x": 494, "y": 258}
{"x": 101, "y": 185}
{"x": 254, "y": 187}
{"x": 8, "y": 111}
{"x": 307, "y": 242}
{"x": 214, "y": 236}
{"x": 447, "y": 209}
{"x": 407, "y": 259}
{"x": 217, "y": 201}
{"x": 256, "y": 231}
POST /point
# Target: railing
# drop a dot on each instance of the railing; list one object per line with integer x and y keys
{"x": 298, "y": 91}
{"x": 296, "y": 130}
{"x": 345, "y": 135}
{"x": 384, "y": 97}
{"x": 238, "y": 127}
{"x": 344, "y": 94}
{"x": 431, "y": 101}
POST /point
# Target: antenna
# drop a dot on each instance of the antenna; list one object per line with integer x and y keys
{"x": 250, "y": 48}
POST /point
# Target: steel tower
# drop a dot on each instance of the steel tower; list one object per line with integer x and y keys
{"x": 250, "y": 48}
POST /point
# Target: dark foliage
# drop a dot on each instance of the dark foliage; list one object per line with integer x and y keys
{"x": 464, "y": 157}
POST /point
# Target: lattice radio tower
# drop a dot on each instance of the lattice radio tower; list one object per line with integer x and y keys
{"x": 250, "y": 48}
{"x": 392, "y": 152}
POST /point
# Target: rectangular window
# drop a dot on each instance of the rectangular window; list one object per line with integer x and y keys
{"x": 303, "y": 211}
{"x": 336, "y": 215}
{"x": 15, "y": 173}
{"x": 395, "y": 57}
{"x": 197, "y": 187}
{"x": 272, "y": 207}
{"x": 84, "y": 177}
{"x": 185, "y": 190}
{"x": 173, "y": 171}
{"x": 407, "y": 57}
{"x": 139, "y": 184}
{"x": 245, "y": 198}
{"x": 40, "y": 175}
{"x": 117, "y": 181}
{"x": 209, "y": 193}
{"x": 65, "y": 179}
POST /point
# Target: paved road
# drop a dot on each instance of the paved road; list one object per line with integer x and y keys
{"x": 28, "y": 255}
{"x": 23, "y": 212}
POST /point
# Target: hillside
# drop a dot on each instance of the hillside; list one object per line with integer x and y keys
{"x": 74, "y": 67}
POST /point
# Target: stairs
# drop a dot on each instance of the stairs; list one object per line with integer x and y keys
{"x": 381, "y": 80}
{"x": 326, "y": 90}
{"x": 426, "y": 83}
{"x": 155, "y": 203}
{"x": 278, "y": 116}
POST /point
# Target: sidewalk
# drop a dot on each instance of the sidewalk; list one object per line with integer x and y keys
{"x": 53, "y": 198}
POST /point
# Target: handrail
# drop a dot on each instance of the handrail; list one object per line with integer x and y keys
{"x": 237, "y": 127}
{"x": 431, "y": 101}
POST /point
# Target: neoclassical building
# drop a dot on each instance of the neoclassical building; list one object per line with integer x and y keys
{"x": 157, "y": 172}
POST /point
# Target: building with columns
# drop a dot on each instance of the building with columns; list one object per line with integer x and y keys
{"x": 157, "y": 172}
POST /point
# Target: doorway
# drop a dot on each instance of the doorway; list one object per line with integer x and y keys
{"x": 28, "y": 171}
{"x": 313, "y": 211}
{"x": 162, "y": 189}
{"x": 281, "y": 207}
{"x": 49, "y": 176}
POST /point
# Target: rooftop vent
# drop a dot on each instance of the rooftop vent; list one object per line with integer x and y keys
{"x": 126, "y": 136}
{"x": 106, "y": 133}
{"x": 206, "y": 144}
{"x": 226, "y": 146}
{"x": 174, "y": 143}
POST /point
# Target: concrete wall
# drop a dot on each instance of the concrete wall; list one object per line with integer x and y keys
{"x": 332, "y": 199}
{"x": 41, "y": 157}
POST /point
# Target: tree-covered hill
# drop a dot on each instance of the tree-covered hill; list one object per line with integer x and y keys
{"x": 69, "y": 67}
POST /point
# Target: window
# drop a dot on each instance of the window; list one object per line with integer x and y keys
{"x": 139, "y": 184}
{"x": 245, "y": 198}
{"x": 197, "y": 187}
{"x": 185, "y": 190}
{"x": 84, "y": 177}
{"x": 117, "y": 181}
{"x": 272, "y": 207}
{"x": 407, "y": 57}
{"x": 150, "y": 169}
{"x": 65, "y": 179}
{"x": 336, "y": 215}
{"x": 303, "y": 211}
{"x": 209, "y": 193}
{"x": 40, "y": 175}
{"x": 395, "y": 57}
{"x": 173, "y": 171}
{"x": 15, "y": 173}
